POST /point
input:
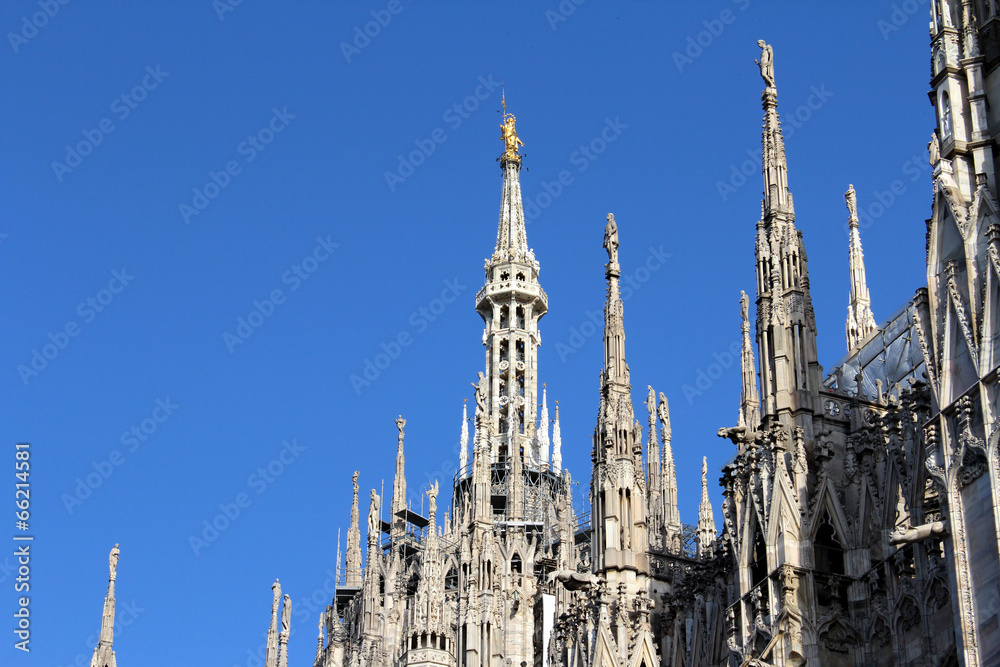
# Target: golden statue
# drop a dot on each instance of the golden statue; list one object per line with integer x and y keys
{"x": 509, "y": 135}
{"x": 510, "y": 138}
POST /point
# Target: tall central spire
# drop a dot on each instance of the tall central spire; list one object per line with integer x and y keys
{"x": 511, "y": 302}
{"x": 512, "y": 238}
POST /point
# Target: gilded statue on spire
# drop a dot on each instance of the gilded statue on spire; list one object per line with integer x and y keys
{"x": 509, "y": 135}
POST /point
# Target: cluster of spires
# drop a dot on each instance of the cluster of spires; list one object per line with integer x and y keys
{"x": 777, "y": 205}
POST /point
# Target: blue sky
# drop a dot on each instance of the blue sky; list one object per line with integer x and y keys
{"x": 245, "y": 170}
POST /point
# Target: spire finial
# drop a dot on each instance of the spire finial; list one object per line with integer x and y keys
{"x": 463, "y": 441}
{"x": 353, "y": 541}
{"x": 556, "y": 443}
{"x": 706, "y": 519}
{"x": 509, "y": 134}
{"x": 766, "y": 63}
{"x": 860, "y": 320}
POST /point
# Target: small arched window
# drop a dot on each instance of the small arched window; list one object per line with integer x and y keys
{"x": 515, "y": 564}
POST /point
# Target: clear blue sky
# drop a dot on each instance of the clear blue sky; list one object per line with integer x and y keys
{"x": 277, "y": 72}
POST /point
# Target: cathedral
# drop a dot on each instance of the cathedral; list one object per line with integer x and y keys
{"x": 861, "y": 503}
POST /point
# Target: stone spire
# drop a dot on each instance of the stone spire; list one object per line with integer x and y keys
{"x": 271, "y": 657}
{"x": 463, "y": 441}
{"x": 749, "y": 401}
{"x": 775, "y": 167}
{"x": 542, "y": 432}
{"x": 706, "y": 518}
{"x": 353, "y": 541}
{"x": 654, "y": 470}
{"x": 671, "y": 513}
{"x": 104, "y": 653}
{"x": 286, "y": 630}
{"x": 618, "y": 493}
{"x": 860, "y": 321}
{"x": 428, "y": 603}
{"x": 319, "y": 639}
{"x": 511, "y": 303}
{"x": 397, "y": 519}
{"x": 786, "y": 326}
{"x": 556, "y": 443}
{"x": 512, "y": 239}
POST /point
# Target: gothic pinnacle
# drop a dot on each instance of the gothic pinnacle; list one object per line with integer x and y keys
{"x": 860, "y": 321}
{"x": 104, "y": 653}
{"x": 463, "y": 442}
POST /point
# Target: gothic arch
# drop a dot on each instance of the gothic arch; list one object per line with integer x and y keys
{"x": 826, "y": 500}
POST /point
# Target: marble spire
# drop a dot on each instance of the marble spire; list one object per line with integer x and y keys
{"x": 542, "y": 433}
{"x": 104, "y": 653}
{"x": 671, "y": 513}
{"x": 706, "y": 518}
{"x": 860, "y": 321}
{"x": 463, "y": 441}
{"x": 271, "y": 657}
{"x": 354, "y": 541}
{"x": 398, "y": 507}
{"x": 556, "y": 442}
{"x": 749, "y": 400}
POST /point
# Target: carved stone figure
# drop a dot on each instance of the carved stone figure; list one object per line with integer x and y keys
{"x": 432, "y": 494}
{"x": 908, "y": 535}
{"x": 113, "y": 561}
{"x": 663, "y": 412}
{"x": 373, "y": 514}
{"x": 766, "y": 63}
{"x": 286, "y": 615}
{"x": 852, "y": 202}
{"x": 400, "y": 423}
{"x": 611, "y": 238}
{"x": 481, "y": 390}
{"x": 650, "y": 400}
{"x": 934, "y": 148}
